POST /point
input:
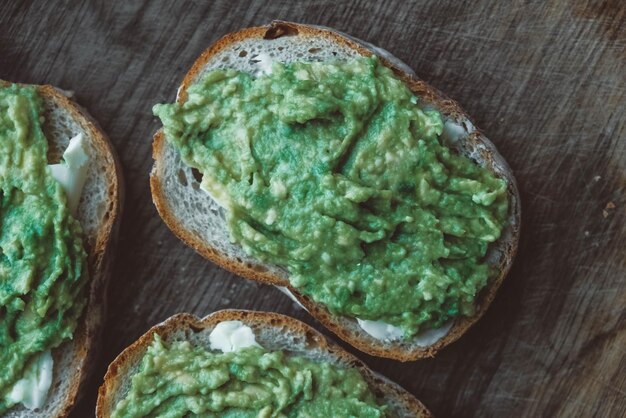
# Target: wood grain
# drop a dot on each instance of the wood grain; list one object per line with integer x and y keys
{"x": 546, "y": 80}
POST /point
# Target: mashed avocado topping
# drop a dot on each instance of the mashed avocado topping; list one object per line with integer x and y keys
{"x": 178, "y": 379}
{"x": 333, "y": 171}
{"x": 42, "y": 259}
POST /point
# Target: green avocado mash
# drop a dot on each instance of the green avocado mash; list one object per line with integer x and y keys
{"x": 333, "y": 171}
{"x": 42, "y": 259}
{"x": 180, "y": 380}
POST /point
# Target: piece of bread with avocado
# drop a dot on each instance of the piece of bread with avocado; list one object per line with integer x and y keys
{"x": 197, "y": 219}
{"x": 273, "y": 332}
{"x": 97, "y": 208}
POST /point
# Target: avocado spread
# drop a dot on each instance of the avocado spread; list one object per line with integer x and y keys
{"x": 332, "y": 170}
{"x": 180, "y": 380}
{"x": 42, "y": 259}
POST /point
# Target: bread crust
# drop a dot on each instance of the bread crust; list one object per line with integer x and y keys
{"x": 341, "y": 326}
{"x": 118, "y": 371}
{"x": 86, "y": 337}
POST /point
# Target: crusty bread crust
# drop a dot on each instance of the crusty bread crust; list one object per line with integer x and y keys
{"x": 501, "y": 254}
{"x": 120, "y": 369}
{"x": 85, "y": 342}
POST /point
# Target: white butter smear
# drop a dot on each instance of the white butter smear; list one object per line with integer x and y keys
{"x": 431, "y": 336}
{"x": 264, "y": 63}
{"x": 229, "y": 336}
{"x": 452, "y": 132}
{"x": 287, "y": 292}
{"x": 32, "y": 389}
{"x": 387, "y": 332}
{"x": 72, "y": 172}
{"x": 380, "y": 330}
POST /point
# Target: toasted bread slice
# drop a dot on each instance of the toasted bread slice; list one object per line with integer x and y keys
{"x": 199, "y": 221}
{"x": 98, "y": 213}
{"x": 273, "y": 332}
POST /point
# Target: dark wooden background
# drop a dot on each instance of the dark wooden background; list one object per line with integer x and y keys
{"x": 546, "y": 80}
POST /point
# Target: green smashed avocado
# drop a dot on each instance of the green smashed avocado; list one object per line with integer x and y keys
{"x": 179, "y": 380}
{"x": 42, "y": 259}
{"x": 333, "y": 171}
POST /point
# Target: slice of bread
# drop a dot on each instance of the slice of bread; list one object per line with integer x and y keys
{"x": 199, "y": 221}
{"x": 98, "y": 213}
{"x": 273, "y": 332}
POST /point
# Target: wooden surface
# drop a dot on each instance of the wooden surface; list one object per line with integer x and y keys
{"x": 546, "y": 80}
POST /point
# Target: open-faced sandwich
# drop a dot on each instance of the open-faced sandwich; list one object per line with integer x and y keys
{"x": 298, "y": 156}
{"x": 245, "y": 364}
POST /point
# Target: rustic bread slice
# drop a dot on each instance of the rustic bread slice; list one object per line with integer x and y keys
{"x": 273, "y": 332}
{"x": 199, "y": 221}
{"x": 98, "y": 212}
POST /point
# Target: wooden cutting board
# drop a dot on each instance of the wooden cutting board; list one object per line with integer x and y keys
{"x": 546, "y": 80}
